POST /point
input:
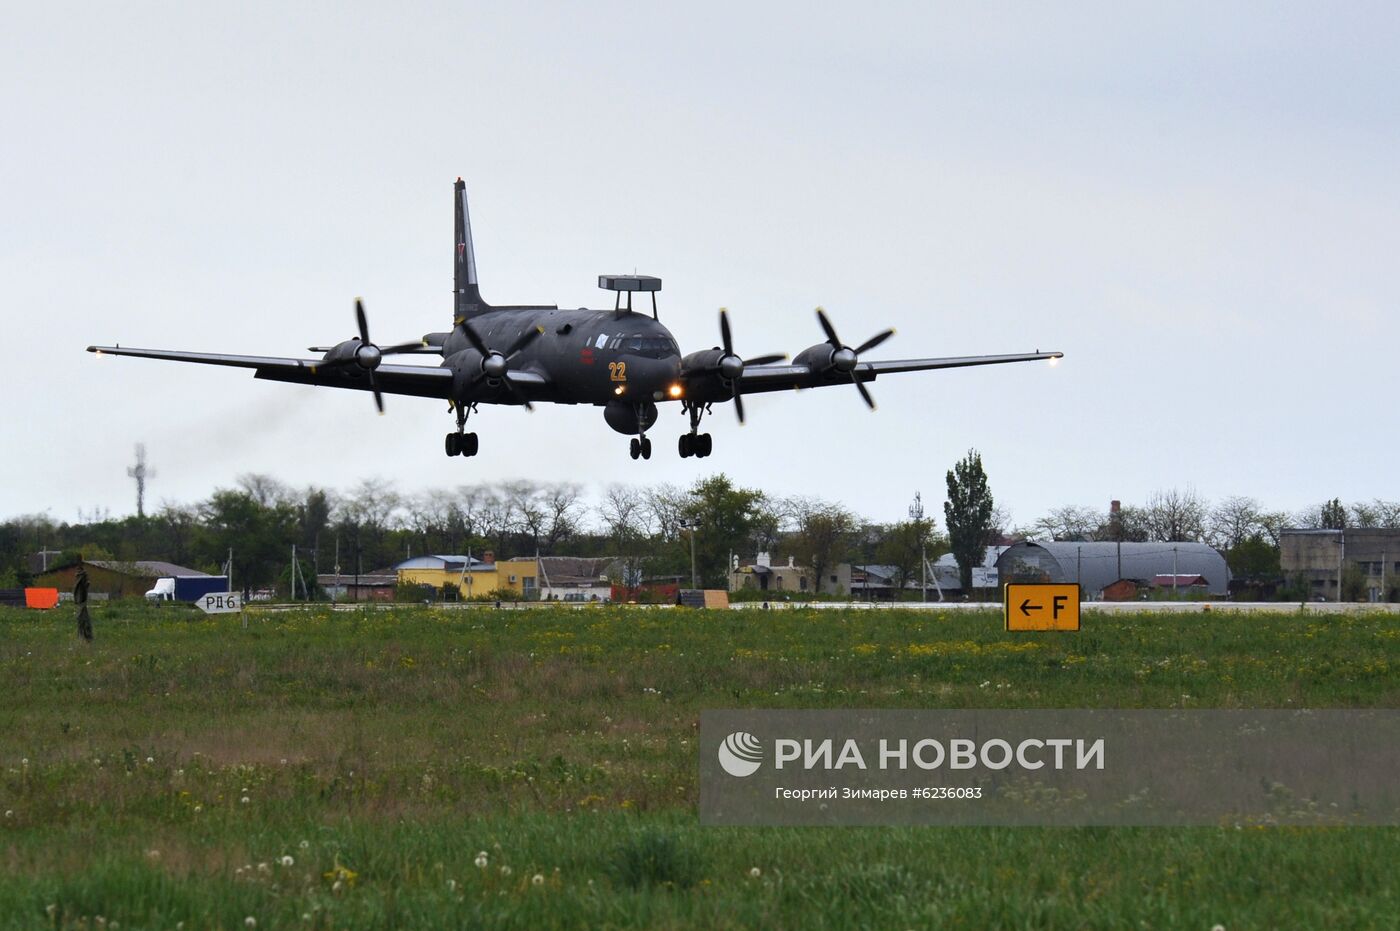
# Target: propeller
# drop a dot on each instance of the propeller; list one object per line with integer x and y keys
{"x": 844, "y": 358}
{"x": 496, "y": 365}
{"x": 730, "y": 367}
{"x": 367, "y": 355}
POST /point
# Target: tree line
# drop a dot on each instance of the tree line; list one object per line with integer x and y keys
{"x": 374, "y": 525}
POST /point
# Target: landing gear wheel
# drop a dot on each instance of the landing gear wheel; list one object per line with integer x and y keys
{"x": 635, "y": 448}
{"x": 704, "y": 445}
{"x": 686, "y": 445}
{"x": 646, "y": 448}
{"x": 453, "y": 444}
{"x": 470, "y": 444}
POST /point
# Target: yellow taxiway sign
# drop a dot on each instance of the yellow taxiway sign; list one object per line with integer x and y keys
{"x": 1041, "y": 606}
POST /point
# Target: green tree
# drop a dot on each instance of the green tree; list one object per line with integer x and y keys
{"x": 824, "y": 536}
{"x": 1254, "y": 560}
{"x": 968, "y": 514}
{"x": 261, "y": 536}
{"x": 1333, "y": 515}
{"x": 725, "y": 514}
{"x": 905, "y": 544}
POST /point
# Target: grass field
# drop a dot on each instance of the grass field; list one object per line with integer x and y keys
{"x": 349, "y": 770}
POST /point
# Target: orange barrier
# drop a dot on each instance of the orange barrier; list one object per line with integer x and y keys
{"x": 42, "y": 598}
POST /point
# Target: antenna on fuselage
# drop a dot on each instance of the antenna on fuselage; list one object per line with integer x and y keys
{"x": 630, "y": 283}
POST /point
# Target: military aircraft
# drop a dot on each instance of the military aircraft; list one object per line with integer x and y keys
{"x": 620, "y": 359}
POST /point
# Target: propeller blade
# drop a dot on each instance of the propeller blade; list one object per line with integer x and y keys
{"x": 526, "y": 338}
{"x": 830, "y": 330}
{"x": 738, "y": 403}
{"x": 374, "y": 386}
{"x": 724, "y": 331}
{"x": 362, "y": 320}
{"x": 767, "y": 360}
{"x": 517, "y": 394}
{"x": 874, "y": 341}
{"x": 864, "y": 392}
{"x": 475, "y": 340}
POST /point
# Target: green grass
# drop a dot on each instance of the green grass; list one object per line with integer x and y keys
{"x": 385, "y": 751}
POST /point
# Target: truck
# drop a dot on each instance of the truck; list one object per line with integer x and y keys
{"x": 187, "y": 587}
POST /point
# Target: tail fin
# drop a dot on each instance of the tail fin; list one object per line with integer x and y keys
{"x": 466, "y": 295}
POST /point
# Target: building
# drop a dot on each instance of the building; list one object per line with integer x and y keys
{"x": 379, "y": 585}
{"x": 472, "y": 577}
{"x": 1097, "y": 566}
{"x": 574, "y": 578}
{"x": 759, "y": 574}
{"x": 1356, "y": 563}
{"x": 945, "y": 582}
{"x": 114, "y": 578}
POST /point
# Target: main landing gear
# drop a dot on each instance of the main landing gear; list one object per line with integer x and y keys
{"x": 695, "y": 444}
{"x": 460, "y": 443}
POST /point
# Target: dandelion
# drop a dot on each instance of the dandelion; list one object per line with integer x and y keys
{"x": 150, "y": 759}
{"x": 452, "y": 885}
{"x": 755, "y": 873}
{"x": 505, "y": 871}
{"x": 51, "y": 910}
{"x": 24, "y": 762}
{"x": 244, "y": 800}
{"x": 537, "y": 879}
{"x": 287, "y": 861}
{"x": 337, "y": 886}
{"x": 250, "y": 922}
{"x": 264, "y": 868}
{"x": 1217, "y": 928}
{"x": 9, "y": 813}
{"x": 304, "y": 844}
{"x": 305, "y": 916}
{"x": 481, "y": 860}
{"x": 198, "y": 809}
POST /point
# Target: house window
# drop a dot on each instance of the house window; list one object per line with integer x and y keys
{"x": 802, "y": 583}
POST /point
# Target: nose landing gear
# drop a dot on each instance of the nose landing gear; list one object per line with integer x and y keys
{"x": 641, "y": 447}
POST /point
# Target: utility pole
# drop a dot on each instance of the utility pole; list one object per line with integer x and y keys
{"x": 690, "y": 525}
{"x": 1341, "y": 560}
{"x": 923, "y": 570}
{"x": 1173, "y": 572}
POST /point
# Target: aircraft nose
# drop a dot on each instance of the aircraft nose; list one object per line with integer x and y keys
{"x": 652, "y": 378}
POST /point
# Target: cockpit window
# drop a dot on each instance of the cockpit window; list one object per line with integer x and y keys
{"x": 654, "y": 347}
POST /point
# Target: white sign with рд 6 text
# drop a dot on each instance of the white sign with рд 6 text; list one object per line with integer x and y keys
{"x": 220, "y": 602}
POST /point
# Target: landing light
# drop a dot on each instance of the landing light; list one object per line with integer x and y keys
{"x": 1055, "y": 360}
{"x": 676, "y": 391}
{"x": 618, "y": 390}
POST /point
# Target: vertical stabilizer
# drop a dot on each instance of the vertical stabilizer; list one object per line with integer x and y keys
{"x": 466, "y": 296}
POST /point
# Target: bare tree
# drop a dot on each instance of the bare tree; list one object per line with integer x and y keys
{"x": 1071, "y": 522}
{"x": 265, "y": 490}
{"x": 1375, "y": 513}
{"x": 666, "y": 506}
{"x": 1234, "y": 520}
{"x": 1176, "y": 516}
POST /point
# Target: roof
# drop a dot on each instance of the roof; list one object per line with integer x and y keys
{"x": 445, "y": 562}
{"x": 1096, "y": 565}
{"x": 1168, "y": 580}
{"x": 146, "y": 568}
{"x": 560, "y": 571}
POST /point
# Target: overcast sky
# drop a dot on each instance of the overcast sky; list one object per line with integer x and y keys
{"x": 1198, "y": 205}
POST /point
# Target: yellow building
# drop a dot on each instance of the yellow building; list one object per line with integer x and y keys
{"x": 473, "y": 577}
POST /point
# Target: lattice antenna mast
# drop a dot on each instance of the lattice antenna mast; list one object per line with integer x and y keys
{"x": 141, "y": 472}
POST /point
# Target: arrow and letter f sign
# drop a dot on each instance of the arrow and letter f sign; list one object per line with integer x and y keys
{"x": 1041, "y": 606}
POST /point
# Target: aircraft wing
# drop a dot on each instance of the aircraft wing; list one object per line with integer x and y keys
{"x": 758, "y": 378}
{"x": 416, "y": 380}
